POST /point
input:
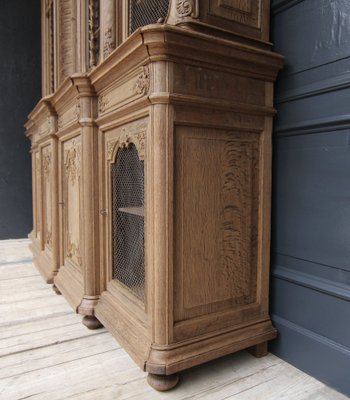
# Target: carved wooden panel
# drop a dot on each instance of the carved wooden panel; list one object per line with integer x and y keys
{"x": 67, "y": 38}
{"x": 127, "y": 89}
{"x": 69, "y": 115}
{"x": 245, "y": 12}
{"x": 72, "y": 200}
{"x": 216, "y": 214}
{"x": 46, "y": 168}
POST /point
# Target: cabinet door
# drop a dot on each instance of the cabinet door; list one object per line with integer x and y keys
{"x": 46, "y": 196}
{"x": 71, "y": 201}
{"x": 124, "y": 200}
{"x": 36, "y": 179}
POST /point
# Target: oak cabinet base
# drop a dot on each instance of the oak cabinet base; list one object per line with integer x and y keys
{"x": 43, "y": 262}
{"x": 70, "y": 283}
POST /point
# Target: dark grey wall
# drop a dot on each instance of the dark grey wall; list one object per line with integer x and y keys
{"x": 20, "y": 87}
{"x": 310, "y": 291}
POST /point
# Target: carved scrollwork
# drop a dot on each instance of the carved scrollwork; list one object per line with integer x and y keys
{"x": 143, "y": 82}
{"x": 108, "y": 43}
{"x": 103, "y": 102}
{"x": 187, "y": 8}
{"x": 46, "y": 164}
{"x": 77, "y": 110}
{"x": 124, "y": 140}
{"x": 73, "y": 251}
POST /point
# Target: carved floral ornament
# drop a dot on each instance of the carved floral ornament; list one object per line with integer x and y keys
{"x": 187, "y": 8}
{"x": 108, "y": 44}
{"x": 123, "y": 141}
{"x": 72, "y": 162}
{"x": 103, "y": 102}
{"x": 143, "y": 82}
{"x": 46, "y": 163}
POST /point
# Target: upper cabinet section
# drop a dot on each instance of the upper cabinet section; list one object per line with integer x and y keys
{"x": 80, "y": 34}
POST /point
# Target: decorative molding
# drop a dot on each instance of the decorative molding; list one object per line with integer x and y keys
{"x": 103, "y": 102}
{"x": 187, "y": 8}
{"x": 108, "y": 43}
{"x": 331, "y": 288}
{"x": 143, "y": 82}
{"x": 278, "y": 6}
{"x": 123, "y": 140}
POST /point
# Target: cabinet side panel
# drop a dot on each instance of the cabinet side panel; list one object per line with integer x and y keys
{"x": 216, "y": 216}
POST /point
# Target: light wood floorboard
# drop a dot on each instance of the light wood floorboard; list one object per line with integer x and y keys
{"x": 47, "y": 354}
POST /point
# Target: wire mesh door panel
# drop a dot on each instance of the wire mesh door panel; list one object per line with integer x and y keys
{"x": 145, "y": 12}
{"x": 127, "y": 174}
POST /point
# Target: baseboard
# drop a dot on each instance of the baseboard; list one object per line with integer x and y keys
{"x": 314, "y": 354}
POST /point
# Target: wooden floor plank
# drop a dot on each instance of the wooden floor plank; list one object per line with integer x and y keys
{"x": 47, "y": 354}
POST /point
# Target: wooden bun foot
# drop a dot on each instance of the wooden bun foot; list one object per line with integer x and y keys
{"x": 259, "y": 350}
{"x": 91, "y": 322}
{"x": 56, "y": 289}
{"x": 162, "y": 383}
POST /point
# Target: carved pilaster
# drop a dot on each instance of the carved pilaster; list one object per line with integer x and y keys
{"x": 94, "y": 33}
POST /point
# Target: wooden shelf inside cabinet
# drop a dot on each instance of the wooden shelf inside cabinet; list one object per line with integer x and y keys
{"x": 133, "y": 210}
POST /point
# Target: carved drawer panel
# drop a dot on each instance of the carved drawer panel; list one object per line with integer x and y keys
{"x": 126, "y": 90}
